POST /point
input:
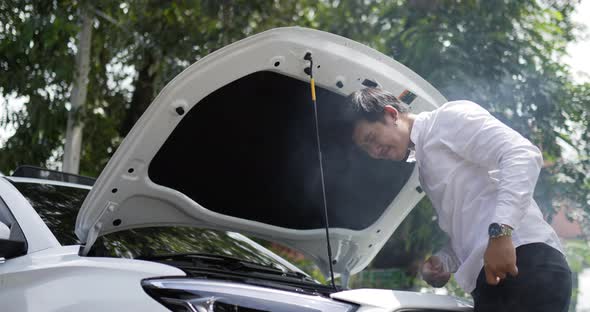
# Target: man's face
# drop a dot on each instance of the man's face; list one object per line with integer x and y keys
{"x": 383, "y": 139}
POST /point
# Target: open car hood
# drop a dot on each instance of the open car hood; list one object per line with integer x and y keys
{"x": 230, "y": 144}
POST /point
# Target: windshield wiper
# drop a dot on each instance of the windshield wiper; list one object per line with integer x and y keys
{"x": 226, "y": 263}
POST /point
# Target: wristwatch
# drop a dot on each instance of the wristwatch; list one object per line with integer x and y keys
{"x": 496, "y": 230}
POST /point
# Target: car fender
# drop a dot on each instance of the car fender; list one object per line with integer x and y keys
{"x": 58, "y": 279}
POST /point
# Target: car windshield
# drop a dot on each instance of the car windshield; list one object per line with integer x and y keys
{"x": 58, "y": 206}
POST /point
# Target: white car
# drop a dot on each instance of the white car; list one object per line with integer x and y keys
{"x": 229, "y": 146}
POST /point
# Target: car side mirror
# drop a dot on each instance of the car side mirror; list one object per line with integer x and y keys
{"x": 12, "y": 248}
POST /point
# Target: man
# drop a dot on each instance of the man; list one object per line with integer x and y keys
{"x": 480, "y": 176}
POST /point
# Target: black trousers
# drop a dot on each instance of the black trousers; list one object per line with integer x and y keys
{"x": 544, "y": 283}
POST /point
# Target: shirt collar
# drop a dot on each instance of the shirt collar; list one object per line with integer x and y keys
{"x": 411, "y": 156}
{"x": 416, "y": 129}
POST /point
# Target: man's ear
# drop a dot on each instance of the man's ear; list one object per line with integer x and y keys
{"x": 391, "y": 111}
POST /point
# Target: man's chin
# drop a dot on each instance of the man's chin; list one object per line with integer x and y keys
{"x": 403, "y": 157}
{"x": 396, "y": 158}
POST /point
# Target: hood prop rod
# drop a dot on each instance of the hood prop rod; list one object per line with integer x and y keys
{"x": 309, "y": 71}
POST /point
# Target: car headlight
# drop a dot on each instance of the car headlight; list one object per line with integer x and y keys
{"x": 192, "y": 295}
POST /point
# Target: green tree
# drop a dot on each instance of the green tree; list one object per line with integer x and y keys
{"x": 137, "y": 47}
{"x": 501, "y": 54}
{"x": 35, "y": 51}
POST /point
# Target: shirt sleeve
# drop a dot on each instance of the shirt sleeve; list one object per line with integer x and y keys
{"x": 475, "y": 135}
{"x": 448, "y": 258}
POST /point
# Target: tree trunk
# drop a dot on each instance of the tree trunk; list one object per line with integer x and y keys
{"x": 142, "y": 95}
{"x": 71, "y": 160}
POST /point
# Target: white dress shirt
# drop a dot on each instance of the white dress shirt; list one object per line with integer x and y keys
{"x": 476, "y": 171}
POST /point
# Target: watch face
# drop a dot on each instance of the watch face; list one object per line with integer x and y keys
{"x": 494, "y": 230}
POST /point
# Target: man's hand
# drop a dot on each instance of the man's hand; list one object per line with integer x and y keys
{"x": 499, "y": 259}
{"x": 433, "y": 272}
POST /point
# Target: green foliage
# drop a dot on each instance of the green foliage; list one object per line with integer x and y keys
{"x": 578, "y": 257}
{"x": 576, "y": 134}
{"x": 501, "y": 54}
{"x": 392, "y": 278}
{"x": 298, "y": 260}
{"x": 34, "y": 50}
{"x": 137, "y": 47}
{"x": 413, "y": 241}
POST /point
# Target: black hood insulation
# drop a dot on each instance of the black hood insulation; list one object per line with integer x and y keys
{"x": 248, "y": 150}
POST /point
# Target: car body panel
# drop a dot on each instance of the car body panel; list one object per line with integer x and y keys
{"x": 58, "y": 279}
{"x": 375, "y": 300}
{"x": 392, "y": 300}
{"x": 124, "y": 191}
